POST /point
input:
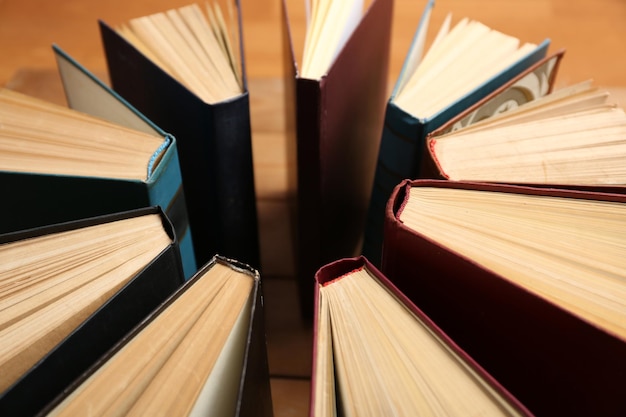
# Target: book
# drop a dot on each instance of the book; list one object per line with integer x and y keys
{"x": 154, "y": 74}
{"x": 529, "y": 281}
{"x": 71, "y": 291}
{"x": 376, "y": 353}
{"x": 571, "y": 137}
{"x": 334, "y": 117}
{"x": 202, "y": 352}
{"x": 466, "y": 64}
{"x": 83, "y": 164}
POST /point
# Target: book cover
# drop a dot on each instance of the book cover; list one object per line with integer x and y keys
{"x": 551, "y": 357}
{"x": 238, "y": 384}
{"x": 105, "y": 327}
{"x": 214, "y": 147}
{"x": 569, "y": 138}
{"x": 402, "y": 143}
{"x": 47, "y": 187}
{"x": 336, "y": 122}
{"x": 444, "y": 396}
{"x": 88, "y": 94}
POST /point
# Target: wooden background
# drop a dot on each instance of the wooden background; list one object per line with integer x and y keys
{"x": 592, "y": 32}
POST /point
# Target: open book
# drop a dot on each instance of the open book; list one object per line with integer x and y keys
{"x": 71, "y": 291}
{"x": 194, "y": 45}
{"x": 184, "y": 69}
{"x": 573, "y": 136}
{"x": 41, "y": 137}
{"x": 329, "y": 26}
{"x": 467, "y": 64}
{"x": 462, "y": 58}
{"x": 202, "y": 352}
{"x": 59, "y": 164}
{"x": 376, "y": 353}
{"x": 541, "y": 271}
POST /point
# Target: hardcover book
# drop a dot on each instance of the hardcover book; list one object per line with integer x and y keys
{"x": 529, "y": 281}
{"x": 81, "y": 165}
{"x": 465, "y": 65}
{"x": 202, "y": 352}
{"x": 156, "y": 62}
{"x": 375, "y": 353}
{"x": 71, "y": 291}
{"x": 335, "y": 99}
{"x": 88, "y": 94}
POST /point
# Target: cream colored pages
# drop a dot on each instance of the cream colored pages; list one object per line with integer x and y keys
{"x": 51, "y": 284}
{"x": 331, "y": 24}
{"x": 192, "y": 45}
{"x": 387, "y": 362}
{"x": 568, "y": 137}
{"x": 458, "y": 61}
{"x": 71, "y": 143}
{"x": 325, "y": 404}
{"x": 164, "y": 368}
{"x": 84, "y": 94}
{"x": 220, "y": 392}
{"x": 569, "y": 251}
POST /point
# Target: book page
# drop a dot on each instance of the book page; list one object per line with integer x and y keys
{"x": 575, "y": 139}
{"x": 536, "y": 242}
{"x": 193, "y": 45}
{"x": 331, "y": 24}
{"x": 178, "y": 348}
{"x": 52, "y": 283}
{"x": 87, "y": 94}
{"x": 387, "y": 362}
{"x": 459, "y": 60}
{"x": 325, "y": 402}
{"x": 72, "y": 143}
{"x": 220, "y": 391}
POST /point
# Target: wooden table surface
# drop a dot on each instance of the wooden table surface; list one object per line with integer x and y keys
{"x": 592, "y": 32}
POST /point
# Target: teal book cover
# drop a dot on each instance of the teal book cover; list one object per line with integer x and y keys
{"x": 44, "y": 196}
{"x": 417, "y": 107}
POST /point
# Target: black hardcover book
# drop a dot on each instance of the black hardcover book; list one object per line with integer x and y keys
{"x": 105, "y": 327}
{"x": 235, "y": 383}
{"x": 214, "y": 146}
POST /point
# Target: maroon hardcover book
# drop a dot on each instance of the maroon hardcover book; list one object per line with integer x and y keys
{"x": 340, "y": 268}
{"x": 336, "y": 123}
{"x": 555, "y": 362}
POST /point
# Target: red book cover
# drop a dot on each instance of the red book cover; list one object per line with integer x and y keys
{"x": 554, "y": 361}
{"x": 334, "y": 124}
{"x": 339, "y": 269}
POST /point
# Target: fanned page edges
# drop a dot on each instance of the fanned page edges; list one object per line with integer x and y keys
{"x": 572, "y": 136}
{"x": 558, "y": 277}
{"x": 536, "y": 82}
{"x": 425, "y": 330}
{"x": 81, "y": 85}
{"x": 227, "y": 356}
{"x": 194, "y": 47}
{"x": 108, "y": 150}
{"x": 331, "y": 25}
{"x": 456, "y": 65}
